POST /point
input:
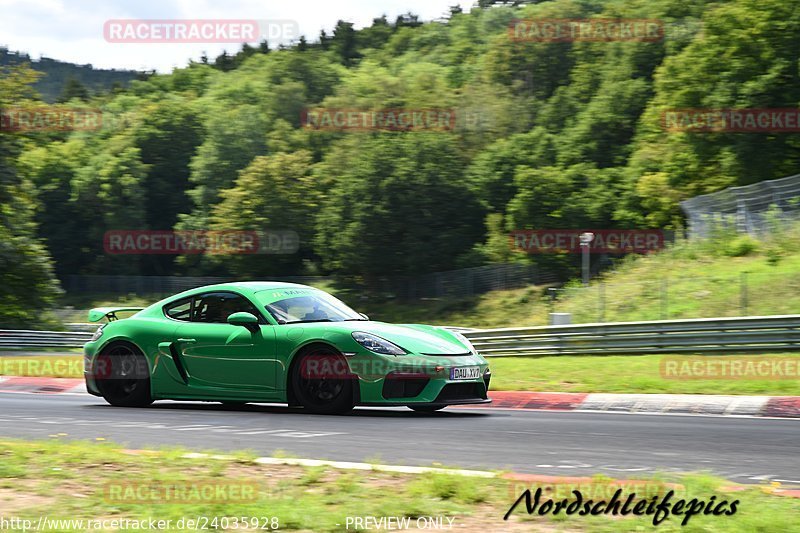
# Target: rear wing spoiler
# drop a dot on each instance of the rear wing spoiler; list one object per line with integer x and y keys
{"x": 110, "y": 313}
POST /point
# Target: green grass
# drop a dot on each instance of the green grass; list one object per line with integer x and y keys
{"x": 683, "y": 283}
{"x": 73, "y": 480}
{"x": 55, "y": 366}
{"x": 7, "y": 350}
{"x": 624, "y": 374}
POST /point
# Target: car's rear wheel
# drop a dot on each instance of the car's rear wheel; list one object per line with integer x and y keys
{"x": 427, "y": 408}
{"x": 123, "y": 376}
{"x": 322, "y": 383}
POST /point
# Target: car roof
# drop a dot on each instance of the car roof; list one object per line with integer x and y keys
{"x": 255, "y": 286}
{"x": 251, "y": 287}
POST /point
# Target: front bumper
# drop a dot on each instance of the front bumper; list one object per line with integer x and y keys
{"x": 419, "y": 380}
{"x": 418, "y": 404}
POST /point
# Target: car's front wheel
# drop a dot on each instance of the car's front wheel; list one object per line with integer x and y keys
{"x": 123, "y": 376}
{"x": 322, "y": 383}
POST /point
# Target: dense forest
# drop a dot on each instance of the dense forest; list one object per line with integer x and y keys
{"x": 547, "y": 135}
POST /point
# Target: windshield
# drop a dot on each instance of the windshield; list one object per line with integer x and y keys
{"x": 311, "y": 307}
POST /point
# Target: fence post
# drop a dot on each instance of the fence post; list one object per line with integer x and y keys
{"x": 602, "y": 289}
{"x": 471, "y": 283}
{"x": 743, "y": 294}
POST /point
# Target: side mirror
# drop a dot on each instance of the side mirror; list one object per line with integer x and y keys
{"x": 365, "y": 317}
{"x": 246, "y": 320}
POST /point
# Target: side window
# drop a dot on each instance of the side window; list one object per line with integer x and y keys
{"x": 216, "y": 307}
{"x": 180, "y": 310}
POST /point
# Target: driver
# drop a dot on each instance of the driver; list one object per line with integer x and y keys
{"x": 228, "y": 307}
{"x": 316, "y": 314}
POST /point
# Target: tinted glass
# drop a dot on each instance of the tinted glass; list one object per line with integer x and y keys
{"x": 180, "y": 310}
{"x": 218, "y": 306}
{"x": 312, "y": 307}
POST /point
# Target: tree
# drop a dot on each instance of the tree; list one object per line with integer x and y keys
{"x": 225, "y": 62}
{"x": 376, "y": 35}
{"x": 27, "y": 283}
{"x": 167, "y": 139}
{"x": 407, "y": 20}
{"x": 397, "y": 207}
{"x": 61, "y": 223}
{"x": 492, "y": 175}
{"x": 324, "y": 40}
{"x": 302, "y": 45}
{"x": 73, "y": 90}
{"x": 344, "y": 43}
{"x": 110, "y": 190}
{"x": 274, "y": 193}
{"x": 241, "y": 56}
{"x": 745, "y": 57}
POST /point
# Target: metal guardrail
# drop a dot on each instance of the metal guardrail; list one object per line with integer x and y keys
{"x": 12, "y": 338}
{"x": 705, "y": 335}
{"x": 663, "y": 336}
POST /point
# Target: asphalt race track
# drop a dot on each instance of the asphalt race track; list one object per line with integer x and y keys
{"x": 745, "y": 450}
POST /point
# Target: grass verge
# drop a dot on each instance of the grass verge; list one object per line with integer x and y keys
{"x": 630, "y": 374}
{"x": 46, "y": 366}
{"x": 72, "y": 480}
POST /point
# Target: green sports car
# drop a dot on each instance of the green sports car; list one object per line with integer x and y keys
{"x": 277, "y": 342}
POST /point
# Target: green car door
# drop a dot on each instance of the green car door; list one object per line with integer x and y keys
{"x": 223, "y": 356}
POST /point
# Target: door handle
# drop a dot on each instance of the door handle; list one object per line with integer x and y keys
{"x": 187, "y": 341}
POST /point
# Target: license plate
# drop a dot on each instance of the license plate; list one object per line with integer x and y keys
{"x": 465, "y": 372}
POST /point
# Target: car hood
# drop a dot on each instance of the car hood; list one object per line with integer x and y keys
{"x": 414, "y": 338}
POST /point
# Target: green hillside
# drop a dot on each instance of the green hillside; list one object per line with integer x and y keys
{"x": 727, "y": 275}
{"x": 56, "y": 75}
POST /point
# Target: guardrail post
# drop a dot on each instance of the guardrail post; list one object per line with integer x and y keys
{"x": 552, "y": 293}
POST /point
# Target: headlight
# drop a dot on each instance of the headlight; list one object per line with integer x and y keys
{"x": 373, "y": 343}
{"x": 466, "y": 341}
{"x": 98, "y": 333}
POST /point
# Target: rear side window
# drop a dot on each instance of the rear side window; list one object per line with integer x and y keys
{"x": 180, "y": 310}
{"x": 216, "y": 307}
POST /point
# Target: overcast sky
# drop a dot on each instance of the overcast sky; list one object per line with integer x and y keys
{"x": 72, "y": 30}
